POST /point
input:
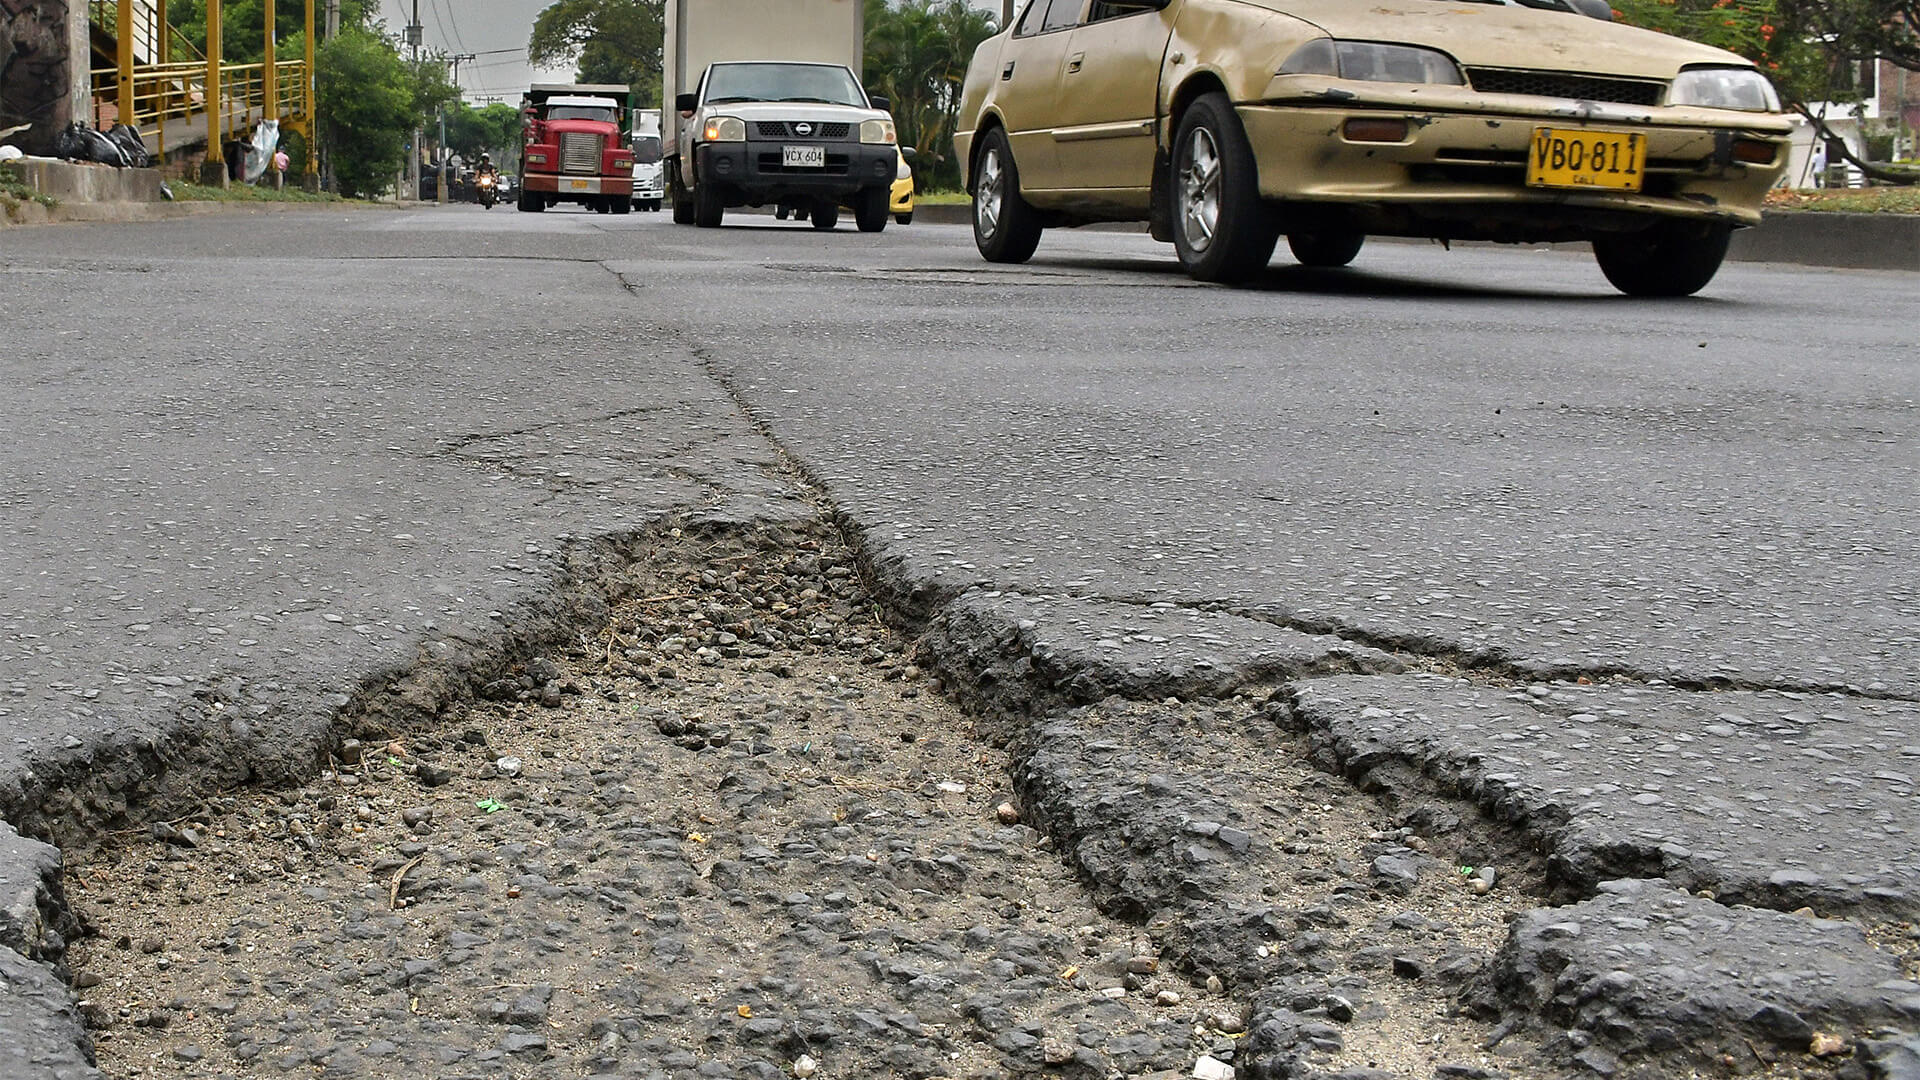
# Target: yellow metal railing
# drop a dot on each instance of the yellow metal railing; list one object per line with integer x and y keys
{"x": 152, "y": 87}
{"x": 166, "y": 94}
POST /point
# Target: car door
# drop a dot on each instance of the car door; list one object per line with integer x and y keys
{"x": 1109, "y": 92}
{"x": 1028, "y": 87}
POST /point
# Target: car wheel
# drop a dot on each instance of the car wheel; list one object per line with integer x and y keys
{"x": 1221, "y": 229}
{"x": 1005, "y": 228}
{"x": 904, "y": 219}
{"x": 825, "y": 215}
{"x": 708, "y": 209}
{"x": 870, "y": 209}
{"x": 1671, "y": 258}
{"x": 1327, "y": 249}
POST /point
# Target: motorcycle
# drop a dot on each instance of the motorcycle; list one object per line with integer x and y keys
{"x": 485, "y": 193}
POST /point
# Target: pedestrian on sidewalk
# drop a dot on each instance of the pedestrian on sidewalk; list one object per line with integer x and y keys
{"x": 279, "y": 170}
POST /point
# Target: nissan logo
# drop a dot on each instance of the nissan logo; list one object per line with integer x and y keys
{"x": 803, "y": 128}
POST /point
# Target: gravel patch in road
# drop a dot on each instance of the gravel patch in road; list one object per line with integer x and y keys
{"x": 730, "y": 836}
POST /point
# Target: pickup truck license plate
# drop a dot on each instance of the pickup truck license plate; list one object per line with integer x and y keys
{"x": 578, "y": 185}
{"x": 803, "y": 157}
{"x": 1578, "y": 158}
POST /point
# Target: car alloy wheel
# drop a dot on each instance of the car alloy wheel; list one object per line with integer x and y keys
{"x": 1200, "y": 190}
{"x": 1005, "y": 228}
{"x": 988, "y": 195}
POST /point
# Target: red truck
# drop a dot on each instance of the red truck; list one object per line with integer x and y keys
{"x": 577, "y": 147}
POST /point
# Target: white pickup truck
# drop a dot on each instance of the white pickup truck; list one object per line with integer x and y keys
{"x": 766, "y": 108}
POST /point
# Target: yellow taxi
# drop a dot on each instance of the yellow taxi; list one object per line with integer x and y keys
{"x": 1226, "y": 124}
{"x": 900, "y": 202}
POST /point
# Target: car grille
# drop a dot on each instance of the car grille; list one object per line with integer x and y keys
{"x": 837, "y": 165}
{"x": 1559, "y": 84}
{"x": 782, "y": 129}
{"x": 579, "y": 152}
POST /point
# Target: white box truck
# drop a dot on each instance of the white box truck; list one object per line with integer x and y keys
{"x": 764, "y": 106}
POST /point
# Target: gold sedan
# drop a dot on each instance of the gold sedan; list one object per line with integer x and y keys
{"x": 1226, "y": 124}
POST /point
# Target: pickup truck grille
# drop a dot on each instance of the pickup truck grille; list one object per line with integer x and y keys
{"x": 579, "y": 152}
{"x": 784, "y": 129}
{"x": 1560, "y": 84}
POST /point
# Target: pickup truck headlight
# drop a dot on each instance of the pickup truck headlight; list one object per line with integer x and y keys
{"x": 724, "y": 129}
{"x": 877, "y": 131}
{"x": 536, "y": 159}
{"x": 1743, "y": 89}
{"x": 1372, "y": 61}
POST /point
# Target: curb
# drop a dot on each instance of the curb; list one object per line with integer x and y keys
{"x": 1799, "y": 238}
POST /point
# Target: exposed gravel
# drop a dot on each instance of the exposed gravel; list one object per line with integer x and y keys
{"x": 741, "y": 832}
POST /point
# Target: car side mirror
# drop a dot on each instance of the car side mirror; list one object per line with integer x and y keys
{"x": 883, "y": 104}
{"x": 686, "y": 103}
{"x": 909, "y": 153}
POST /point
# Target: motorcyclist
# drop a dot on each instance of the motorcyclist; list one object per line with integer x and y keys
{"x": 485, "y": 167}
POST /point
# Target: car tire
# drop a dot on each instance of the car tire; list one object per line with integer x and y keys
{"x": 1221, "y": 229}
{"x": 904, "y": 219}
{"x": 1670, "y": 258}
{"x": 825, "y": 215}
{"x": 1325, "y": 249}
{"x": 708, "y": 209}
{"x": 1005, "y": 228}
{"x": 870, "y": 209}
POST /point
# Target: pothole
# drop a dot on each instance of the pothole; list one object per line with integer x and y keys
{"x": 734, "y": 828}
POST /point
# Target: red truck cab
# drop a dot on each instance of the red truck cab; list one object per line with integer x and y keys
{"x": 576, "y": 147}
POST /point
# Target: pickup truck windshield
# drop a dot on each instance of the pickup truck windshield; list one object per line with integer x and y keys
{"x": 580, "y": 112}
{"x": 827, "y": 84}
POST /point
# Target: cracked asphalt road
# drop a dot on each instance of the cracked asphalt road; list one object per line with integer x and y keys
{"x": 298, "y": 453}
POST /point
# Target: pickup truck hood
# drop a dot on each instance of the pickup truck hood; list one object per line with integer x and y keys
{"x": 1488, "y": 35}
{"x": 794, "y": 110}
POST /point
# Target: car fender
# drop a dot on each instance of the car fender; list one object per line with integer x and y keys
{"x": 1230, "y": 44}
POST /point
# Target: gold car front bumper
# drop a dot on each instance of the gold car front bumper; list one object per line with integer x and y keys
{"x": 1461, "y": 169}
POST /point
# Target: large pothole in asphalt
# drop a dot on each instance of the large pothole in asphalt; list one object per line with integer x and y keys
{"x": 739, "y": 832}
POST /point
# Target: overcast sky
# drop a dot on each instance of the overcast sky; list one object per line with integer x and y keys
{"x": 496, "y": 32}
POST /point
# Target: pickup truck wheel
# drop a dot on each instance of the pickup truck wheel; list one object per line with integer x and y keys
{"x": 1005, "y": 228}
{"x": 1327, "y": 249}
{"x": 1221, "y": 229}
{"x": 1672, "y": 258}
{"x": 870, "y": 209}
{"x": 708, "y": 209}
{"x": 825, "y": 215}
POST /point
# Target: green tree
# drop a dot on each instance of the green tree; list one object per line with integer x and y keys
{"x": 370, "y": 102}
{"x": 611, "y": 41}
{"x": 916, "y": 56}
{"x": 494, "y": 129}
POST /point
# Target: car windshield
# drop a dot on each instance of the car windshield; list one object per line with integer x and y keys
{"x": 646, "y": 150}
{"x": 580, "y": 112}
{"x": 827, "y": 84}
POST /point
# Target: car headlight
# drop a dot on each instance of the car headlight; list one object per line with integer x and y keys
{"x": 877, "y": 131}
{"x": 1743, "y": 89}
{"x": 724, "y": 129}
{"x": 1372, "y": 61}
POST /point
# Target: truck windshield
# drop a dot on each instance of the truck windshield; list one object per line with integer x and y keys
{"x": 828, "y": 84}
{"x": 646, "y": 149}
{"x": 580, "y": 112}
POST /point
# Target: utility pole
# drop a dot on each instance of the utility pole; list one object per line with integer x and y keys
{"x": 456, "y": 58}
{"x": 413, "y": 159}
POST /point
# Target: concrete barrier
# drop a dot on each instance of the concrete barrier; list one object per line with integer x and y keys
{"x": 86, "y": 182}
{"x": 1847, "y": 241}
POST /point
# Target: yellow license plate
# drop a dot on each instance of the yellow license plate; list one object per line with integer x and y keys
{"x": 578, "y": 185}
{"x": 1578, "y": 158}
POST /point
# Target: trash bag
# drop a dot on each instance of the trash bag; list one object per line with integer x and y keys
{"x": 71, "y": 143}
{"x": 266, "y": 139}
{"x": 104, "y": 150}
{"x": 130, "y": 144}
